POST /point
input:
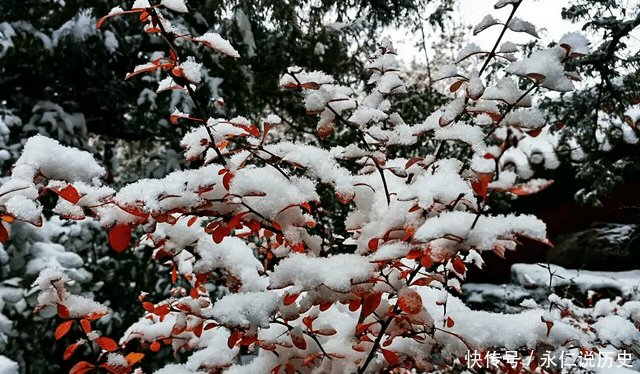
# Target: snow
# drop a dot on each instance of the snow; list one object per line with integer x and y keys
{"x": 575, "y": 43}
{"x": 245, "y": 309}
{"x": 467, "y": 51}
{"x": 546, "y": 63}
{"x": 617, "y": 331}
{"x": 141, "y": 4}
{"x": 68, "y": 164}
{"x": 486, "y": 22}
{"x": 192, "y": 70}
{"x": 488, "y": 232}
{"x": 8, "y": 366}
{"x": 175, "y": 5}
{"x": 518, "y": 25}
{"x": 217, "y": 42}
{"x": 508, "y": 92}
{"x": 337, "y": 272}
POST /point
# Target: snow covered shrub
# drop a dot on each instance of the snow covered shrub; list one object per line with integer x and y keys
{"x": 238, "y": 236}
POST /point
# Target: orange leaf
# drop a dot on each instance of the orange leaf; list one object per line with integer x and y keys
{"x": 370, "y": 304}
{"x": 409, "y": 301}
{"x": 86, "y": 325}
{"x": 81, "y": 367}
{"x": 390, "y": 356}
{"x": 107, "y": 343}
{"x": 119, "y": 237}
{"x": 71, "y": 350}
{"x": 133, "y": 357}
{"x": 63, "y": 329}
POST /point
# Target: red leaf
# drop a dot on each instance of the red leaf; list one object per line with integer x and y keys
{"x": 194, "y": 293}
{"x": 373, "y": 244}
{"x": 107, "y": 343}
{"x": 549, "y": 325}
{"x": 459, "y": 266}
{"x": 71, "y": 350}
{"x": 234, "y": 338}
{"x": 192, "y": 220}
{"x": 450, "y": 322}
{"x": 390, "y": 356}
{"x": 290, "y": 298}
{"x": 162, "y": 310}
{"x": 276, "y": 370}
{"x": 409, "y": 301}
{"x": 370, "y": 304}
{"x": 226, "y": 180}
{"x": 63, "y": 329}
{"x": 354, "y": 305}
{"x": 4, "y": 234}
{"x": 119, "y": 237}
{"x": 155, "y": 346}
{"x": 69, "y": 193}
{"x": 174, "y": 275}
{"x": 426, "y": 261}
{"x": 86, "y": 325}
{"x": 63, "y": 312}
{"x": 149, "y": 307}
{"x": 81, "y": 367}
{"x": 481, "y": 185}
{"x": 298, "y": 340}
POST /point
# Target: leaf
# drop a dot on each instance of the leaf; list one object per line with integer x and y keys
{"x": 192, "y": 220}
{"x": 450, "y": 322}
{"x": 63, "y": 311}
{"x": 548, "y": 323}
{"x": 4, "y": 234}
{"x": 162, "y": 310}
{"x": 226, "y": 180}
{"x": 290, "y": 298}
{"x": 174, "y": 275}
{"x": 531, "y": 187}
{"x": 63, "y": 329}
{"x": 481, "y": 184}
{"x": 370, "y": 304}
{"x": 456, "y": 85}
{"x": 373, "y": 244}
{"x": 86, "y": 325}
{"x": 107, "y": 343}
{"x": 409, "y": 301}
{"x": 234, "y": 338}
{"x": 426, "y": 261}
{"x": 70, "y": 194}
{"x": 459, "y": 266}
{"x": 71, "y": 349}
{"x": 133, "y": 358}
{"x": 298, "y": 339}
{"x": 148, "y": 306}
{"x": 390, "y": 356}
{"x": 119, "y": 237}
{"x": 81, "y": 367}
{"x": 536, "y": 77}
{"x": 155, "y": 346}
